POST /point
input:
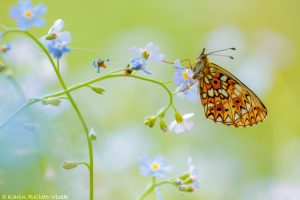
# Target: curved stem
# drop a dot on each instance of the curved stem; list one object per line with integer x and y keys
{"x": 62, "y": 83}
{"x": 153, "y": 186}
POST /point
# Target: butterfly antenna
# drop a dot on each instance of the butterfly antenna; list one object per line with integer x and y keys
{"x": 232, "y": 48}
{"x": 231, "y": 57}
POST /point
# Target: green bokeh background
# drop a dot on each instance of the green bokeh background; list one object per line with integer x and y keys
{"x": 250, "y": 163}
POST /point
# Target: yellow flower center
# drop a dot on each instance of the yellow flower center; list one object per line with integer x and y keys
{"x": 146, "y": 54}
{"x": 155, "y": 166}
{"x": 185, "y": 75}
{"x": 28, "y": 14}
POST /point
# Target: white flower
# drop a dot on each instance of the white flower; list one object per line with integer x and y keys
{"x": 181, "y": 124}
{"x": 56, "y": 33}
{"x": 150, "y": 52}
{"x": 92, "y": 134}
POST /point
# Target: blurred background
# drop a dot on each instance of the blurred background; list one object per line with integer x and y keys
{"x": 257, "y": 163}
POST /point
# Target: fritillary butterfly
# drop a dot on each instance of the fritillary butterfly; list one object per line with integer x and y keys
{"x": 224, "y": 97}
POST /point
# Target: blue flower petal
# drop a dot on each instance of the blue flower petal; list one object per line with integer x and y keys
{"x": 39, "y": 9}
{"x": 38, "y": 22}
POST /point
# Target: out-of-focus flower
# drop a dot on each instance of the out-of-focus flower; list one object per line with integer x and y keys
{"x": 139, "y": 64}
{"x": 27, "y": 15}
{"x": 190, "y": 93}
{"x": 99, "y": 63}
{"x": 150, "y": 52}
{"x": 4, "y": 48}
{"x": 153, "y": 167}
{"x": 181, "y": 124}
{"x": 1, "y": 34}
{"x": 56, "y": 32}
{"x": 92, "y": 134}
{"x": 57, "y": 48}
{"x": 188, "y": 181}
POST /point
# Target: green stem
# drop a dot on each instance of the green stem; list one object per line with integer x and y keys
{"x": 62, "y": 83}
{"x": 20, "y": 109}
{"x": 153, "y": 186}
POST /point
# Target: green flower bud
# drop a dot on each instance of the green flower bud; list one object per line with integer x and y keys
{"x": 178, "y": 117}
{"x": 188, "y": 181}
{"x": 51, "y": 101}
{"x": 98, "y": 90}
{"x": 69, "y": 165}
{"x": 163, "y": 125}
{"x": 184, "y": 176}
{"x": 150, "y": 121}
{"x": 92, "y": 134}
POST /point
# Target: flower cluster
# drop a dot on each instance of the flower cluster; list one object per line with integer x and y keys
{"x": 157, "y": 168}
{"x": 56, "y": 40}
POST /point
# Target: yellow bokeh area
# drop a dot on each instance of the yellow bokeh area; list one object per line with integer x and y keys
{"x": 255, "y": 163}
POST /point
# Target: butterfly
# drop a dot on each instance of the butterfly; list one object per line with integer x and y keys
{"x": 224, "y": 97}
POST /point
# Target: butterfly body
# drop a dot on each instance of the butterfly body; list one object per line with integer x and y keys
{"x": 224, "y": 97}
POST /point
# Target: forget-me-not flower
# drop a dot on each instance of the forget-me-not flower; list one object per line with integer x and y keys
{"x": 57, "y": 48}
{"x": 181, "y": 124}
{"x": 55, "y": 32}
{"x": 139, "y": 64}
{"x": 150, "y": 52}
{"x": 153, "y": 167}
{"x": 28, "y": 15}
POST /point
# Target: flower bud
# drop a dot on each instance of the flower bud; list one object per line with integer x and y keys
{"x": 51, "y": 101}
{"x": 150, "y": 121}
{"x": 92, "y": 134}
{"x": 163, "y": 125}
{"x": 184, "y": 176}
{"x": 127, "y": 72}
{"x": 98, "y": 90}
{"x": 178, "y": 117}
{"x": 69, "y": 165}
{"x": 188, "y": 181}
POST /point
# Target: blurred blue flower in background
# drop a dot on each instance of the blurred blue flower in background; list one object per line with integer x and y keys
{"x": 150, "y": 52}
{"x": 139, "y": 64}
{"x": 153, "y": 167}
{"x": 26, "y": 15}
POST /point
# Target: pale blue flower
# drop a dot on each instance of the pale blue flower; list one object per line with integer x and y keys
{"x": 99, "y": 63}
{"x": 182, "y": 76}
{"x": 56, "y": 33}
{"x": 1, "y": 34}
{"x": 150, "y": 52}
{"x": 153, "y": 167}
{"x": 139, "y": 64}
{"x": 182, "y": 124}
{"x": 26, "y": 15}
{"x": 190, "y": 93}
{"x": 57, "y": 48}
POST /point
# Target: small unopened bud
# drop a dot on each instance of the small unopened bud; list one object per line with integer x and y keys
{"x": 179, "y": 182}
{"x": 92, "y": 134}
{"x": 52, "y": 101}
{"x": 188, "y": 181}
{"x": 69, "y": 165}
{"x": 98, "y": 90}
{"x": 163, "y": 125}
{"x": 184, "y": 176}
{"x": 150, "y": 121}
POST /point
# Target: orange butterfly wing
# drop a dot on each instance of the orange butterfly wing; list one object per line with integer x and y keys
{"x": 227, "y": 100}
